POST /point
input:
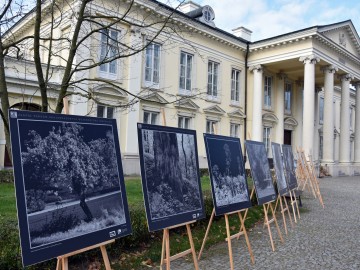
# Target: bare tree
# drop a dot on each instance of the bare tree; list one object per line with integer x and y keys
{"x": 79, "y": 37}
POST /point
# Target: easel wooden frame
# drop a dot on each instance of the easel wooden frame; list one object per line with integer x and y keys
{"x": 294, "y": 202}
{"x": 283, "y": 211}
{"x": 304, "y": 174}
{"x": 313, "y": 177}
{"x": 63, "y": 260}
{"x": 166, "y": 258}
{"x": 229, "y": 237}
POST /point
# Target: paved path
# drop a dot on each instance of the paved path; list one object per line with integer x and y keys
{"x": 323, "y": 239}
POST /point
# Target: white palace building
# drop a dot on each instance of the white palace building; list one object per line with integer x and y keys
{"x": 300, "y": 88}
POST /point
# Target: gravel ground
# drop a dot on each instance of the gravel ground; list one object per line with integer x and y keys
{"x": 322, "y": 239}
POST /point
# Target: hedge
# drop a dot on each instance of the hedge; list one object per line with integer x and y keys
{"x": 6, "y": 176}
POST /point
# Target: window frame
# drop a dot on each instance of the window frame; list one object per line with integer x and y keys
{"x": 237, "y": 130}
{"x": 188, "y": 75}
{"x": 151, "y": 83}
{"x": 235, "y": 86}
{"x": 105, "y": 113}
{"x": 267, "y": 139}
{"x": 321, "y": 110}
{"x": 214, "y": 77}
{"x": 106, "y": 73}
{"x": 288, "y": 89}
{"x": 182, "y": 121}
{"x": 151, "y": 113}
{"x": 211, "y": 123}
{"x": 268, "y": 91}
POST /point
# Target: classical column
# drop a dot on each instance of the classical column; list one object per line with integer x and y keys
{"x": 328, "y": 125}
{"x": 257, "y": 105}
{"x": 345, "y": 119}
{"x": 357, "y": 124}
{"x": 280, "y": 107}
{"x": 309, "y": 99}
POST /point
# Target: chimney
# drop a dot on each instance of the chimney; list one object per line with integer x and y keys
{"x": 243, "y": 33}
{"x": 188, "y": 6}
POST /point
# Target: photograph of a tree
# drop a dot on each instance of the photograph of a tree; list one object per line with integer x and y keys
{"x": 260, "y": 171}
{"x": 227, "y": 173}
{"x": 70, "y": 177}
{"x": 171, "y": 179}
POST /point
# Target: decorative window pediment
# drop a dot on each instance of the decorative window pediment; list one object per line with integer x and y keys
{"x": 154, "y": 97}
{"x": 237, "y": 114}
{"x": 290, "y": 123}
{"x": 269, "y": 119}
{"x": 187, "y": 104}
{"x": 105, "y": 89}
{"x": 215, "y": 109}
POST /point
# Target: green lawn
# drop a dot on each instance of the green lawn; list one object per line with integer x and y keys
{"x": 7, "y": 201}
{"x": 132, "y": 251}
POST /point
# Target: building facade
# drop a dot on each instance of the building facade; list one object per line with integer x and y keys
{"x": 299, "y": 88}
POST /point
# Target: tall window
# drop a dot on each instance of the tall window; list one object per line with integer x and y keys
{"x": 288, "y": 90}
{"x": 266, "y": 138}
{"x": 151, "y": 117}
{"x": 186, "y": 64}
{"x": 235, "y": 85}
{"x": 184, "y": 122}
{"x": 321, "y": 146}
{"x": 267, "y": 91}
{"x": 351, "y": 118}
{"x": 109, "y": 50}
{"x": 211, "y": 126}
{"x": 213, "y": 77}
{"x": 152, "y": 63}
{"x": 321, "y": 110}
{"x": 105, "y": 111}
{"x": 234, "y": 130}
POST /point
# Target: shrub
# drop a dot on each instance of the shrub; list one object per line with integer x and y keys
{"x": 10, "y": 257}
{"x": 6, "y": 176}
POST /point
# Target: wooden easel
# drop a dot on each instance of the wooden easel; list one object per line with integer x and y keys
{"x": 294, "y": 204}
{"x": 266, "y": 207}
{"x": 165, "y": 252}
{"x": 229, "y": 236}
{"x": 63, "y": 261}
{"x": 312, "y": 172}
{"x": 284, "y": 209}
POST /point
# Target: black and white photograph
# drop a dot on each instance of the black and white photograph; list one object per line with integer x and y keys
{"x": 289, "y": 166}
{"x": 170, "y": 175}
{"x": 260, "y": 171}
{"x": 227, "y": 174}
{"x": 281, "y": 182}
{"x": 69, "y": 183}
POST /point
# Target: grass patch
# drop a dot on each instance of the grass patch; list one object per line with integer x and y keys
{"x": 136, "y": 251}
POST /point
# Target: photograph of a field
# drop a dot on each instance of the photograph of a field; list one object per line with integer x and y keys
{"x": 171, "y": 181}
{"x": 281, "y": 182}
{"x": 289, "y": 166}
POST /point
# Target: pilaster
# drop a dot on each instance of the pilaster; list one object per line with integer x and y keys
{"x": 280, "y": 107}
{"x": 257, "y": 105}
{"x": 357, "y": 125}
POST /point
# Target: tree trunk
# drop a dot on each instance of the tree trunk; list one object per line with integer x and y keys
{"x": 4, "y": 100}
{"x": 85, "y": 208}
{"x": 182, "y": 144}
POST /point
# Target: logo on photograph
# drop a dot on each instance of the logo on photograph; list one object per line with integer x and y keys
{"x": 13, "y": 114}
{"x": 112, "y": 234}
{"x": 119, "y": 231}
{"x": 194, "y": 215}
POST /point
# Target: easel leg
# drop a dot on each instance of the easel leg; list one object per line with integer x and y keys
{"x": 242, "y": 226}
{"x": 288, "y": 211}
{"x": 58, "y": 264}
{"x": 276, "y": 224}
{"x": 65, "y": 263}
{"x": 207, "y": 233}
{"x": 292, "y": 205}
{"x": 167, "y": 246}
{"x": 268, "y": 225}
{"x": 283, "y": 215}
{"x": 192, "y": 246}
{"x": 105, "y": 257}
{"x": 162, "y": 251}
{"x": 229, "y": 242}
{"x": 297, "y": 206}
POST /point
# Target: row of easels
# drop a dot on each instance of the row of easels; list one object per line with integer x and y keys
{"x": 306, "y": 174}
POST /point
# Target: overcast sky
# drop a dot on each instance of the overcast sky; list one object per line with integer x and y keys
{"x": 267, "y": 18}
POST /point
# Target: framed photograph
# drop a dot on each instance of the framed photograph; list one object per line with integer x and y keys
{"x": 227, "y": 174}
{"x": 260, "y": 171}
{"x": 69, "y": 183}
{"x": 170, "y": 176}
{"x": 289, "y": 166}
{"x": 282, "y": 185}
